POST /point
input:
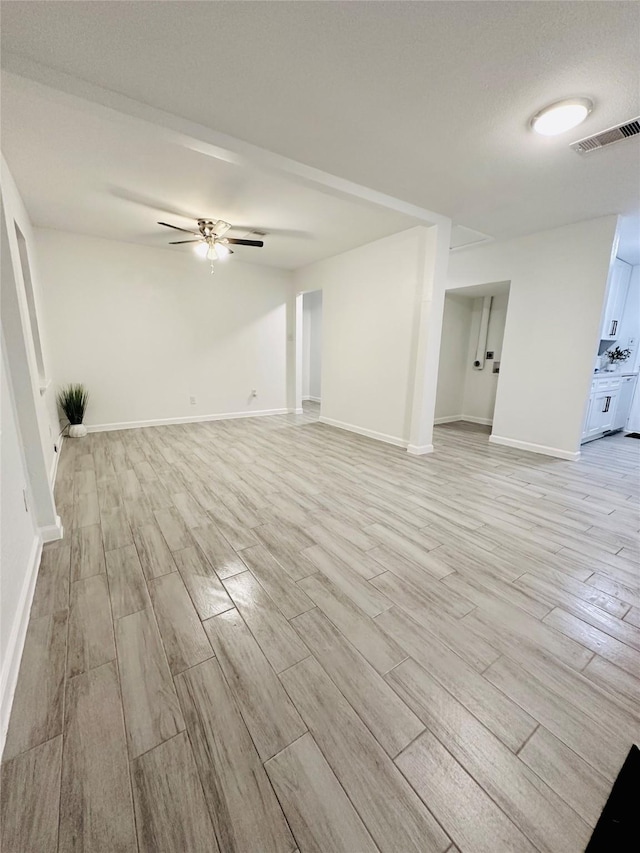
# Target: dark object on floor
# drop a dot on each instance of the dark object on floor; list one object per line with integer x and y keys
{"x": 632, "y": 435}
{"x": 619, "y": 826}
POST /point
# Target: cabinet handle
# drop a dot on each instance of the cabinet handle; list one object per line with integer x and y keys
{"x": 607, "y": 401}
{"x": 614, "y": 326}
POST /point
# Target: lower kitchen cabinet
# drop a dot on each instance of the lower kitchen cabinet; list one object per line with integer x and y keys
{"x": 601, "y": 413}
{"x": 624, "y": 401}
{"x": 609, "y": 405}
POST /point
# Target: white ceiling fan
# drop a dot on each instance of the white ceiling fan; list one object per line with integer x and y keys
{"x": 213, "y": 245}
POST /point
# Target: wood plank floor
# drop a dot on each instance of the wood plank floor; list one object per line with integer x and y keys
{"x": 269, "y": 635}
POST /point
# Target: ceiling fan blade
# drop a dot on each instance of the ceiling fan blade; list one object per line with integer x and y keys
{"x": 262, "y": 230}
{"x": 186, "y": 230}
{"x": 237, "y": 242}
{"x": 179, "y": 242}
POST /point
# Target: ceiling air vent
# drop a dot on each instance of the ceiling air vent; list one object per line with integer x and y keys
{"x": 607, "y": 137}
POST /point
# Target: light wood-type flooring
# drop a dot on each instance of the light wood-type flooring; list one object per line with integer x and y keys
{"x": 269, "y": 635}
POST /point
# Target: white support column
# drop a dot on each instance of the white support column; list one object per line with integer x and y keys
{"x": 294, "y": 352}
{"x": 435, "y": 259}
{"x": 298, "y": 352}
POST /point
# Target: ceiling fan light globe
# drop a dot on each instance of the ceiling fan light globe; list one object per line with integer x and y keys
{"x": 221, "y": 251}
{"x": 201, "y": 249}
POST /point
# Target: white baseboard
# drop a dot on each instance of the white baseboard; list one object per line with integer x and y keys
{"x": 54, "y": 464}
{"x": 420, "y": 449}
{"x": 52, "y": 532}
{"x": 15, "y": 643}
{"x": 192, "y": 419}
{"x": 449, "y": 419}
{"x": 295, "y": 411}
{"x": 312, "y": 399}
{"x": 369, "y": 433}
{"x": 535, "y": 448}
{"x": 472, "y": 420}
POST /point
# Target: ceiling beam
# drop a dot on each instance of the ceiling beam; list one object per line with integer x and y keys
{"x": 180, "y": 131}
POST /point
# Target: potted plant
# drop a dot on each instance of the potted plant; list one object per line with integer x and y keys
{"x": 73, "y": 399}
{"x": 617, "y": 356}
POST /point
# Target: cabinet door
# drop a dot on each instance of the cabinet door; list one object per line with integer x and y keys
{"x": 613, "y": 408}
{"x": 602, "y": 412}
{"x": 624, "y": 400}
{"x": 616, "y": 298}
{"x": 608, "y": 306}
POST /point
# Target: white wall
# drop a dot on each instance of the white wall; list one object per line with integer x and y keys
{"x": 454, "y": 350}
{"x": 17, "y": 311}
{"x": 19, "y": 548}
{"x": 312, "y": 343}
{"x": 464, "y": 392}
{"x": 370, "y": 301}
{"x": 480, "y": 386}
{"x": 558, "y": 283}
{"x": 145, "y": 329}
{"x": 26, "y": 443}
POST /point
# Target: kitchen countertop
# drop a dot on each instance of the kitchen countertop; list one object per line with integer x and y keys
{"x": 611, "y": 374}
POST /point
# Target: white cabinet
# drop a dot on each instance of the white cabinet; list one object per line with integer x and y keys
{"x": 616, "y": 298}
{"x": 603, "y": 406}
{"x": 625, "y": 398}
{"x": 601, "y": 411}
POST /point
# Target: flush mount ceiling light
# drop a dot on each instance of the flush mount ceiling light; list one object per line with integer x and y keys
{"x": 561, "y": 116}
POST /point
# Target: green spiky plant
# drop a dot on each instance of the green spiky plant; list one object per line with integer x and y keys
{"x": 73, "y": 399}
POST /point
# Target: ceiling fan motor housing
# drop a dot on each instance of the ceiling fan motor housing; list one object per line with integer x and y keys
{"x": 208, "y": 228}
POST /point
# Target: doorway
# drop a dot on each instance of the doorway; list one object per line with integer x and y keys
{"x": 312, "y": 353}
{"x": 473, "y": 326}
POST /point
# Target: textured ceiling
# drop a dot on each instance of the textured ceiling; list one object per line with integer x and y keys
{"x": 426, "y": 101}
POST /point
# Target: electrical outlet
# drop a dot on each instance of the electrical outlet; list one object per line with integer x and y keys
{"x": 192, "y": 401}
{"x": 254, "y": 393}
{"x": 490, "y": 355}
